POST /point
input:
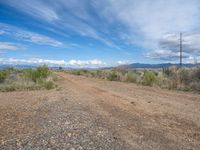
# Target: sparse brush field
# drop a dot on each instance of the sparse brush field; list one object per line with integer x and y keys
{"x": 185, "y": 79}
{"x": 27, "y": 79}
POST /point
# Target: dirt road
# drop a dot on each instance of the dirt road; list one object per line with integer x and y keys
{"x": 85, "y": 113}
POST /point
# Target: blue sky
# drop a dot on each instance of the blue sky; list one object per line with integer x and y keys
{"x": 92, "y": 33}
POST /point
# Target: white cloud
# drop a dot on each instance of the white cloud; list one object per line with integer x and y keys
{"x": 122, "y": 62}
{"x": 71, "y": 63}
{"x": 170, "y": 50}
{"x": 154, "y": 18}
{"x": 10, "y": 46}
{"x": 147, "y": 21}
{"x": 85, "y": 62}
{"x": 29, "y": 36}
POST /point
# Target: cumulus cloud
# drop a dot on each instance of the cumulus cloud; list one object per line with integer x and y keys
{"x": 71, "y": 63}
{"x": 154, "y": 18}
{"x": 28, "y": 36}
{"x": 85, "y": 62}
{"x": 122, "y": 62}
{"x": 169, "y": 48}
{"x": 148, "y": 23}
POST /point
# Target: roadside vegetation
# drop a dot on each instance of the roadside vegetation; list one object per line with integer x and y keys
{"x": 26, "y": 79}
{"x": 186, "y": 79}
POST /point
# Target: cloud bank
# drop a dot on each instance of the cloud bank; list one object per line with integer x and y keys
{"x": 169, "y": 48}
{"x": 95, "y": 63}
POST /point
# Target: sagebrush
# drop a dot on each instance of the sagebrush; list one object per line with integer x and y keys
{"x": 187, "y": 79}
{"x": 26, "y": 79}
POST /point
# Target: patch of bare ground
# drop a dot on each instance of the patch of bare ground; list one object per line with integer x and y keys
{"x": 86, "y": 113}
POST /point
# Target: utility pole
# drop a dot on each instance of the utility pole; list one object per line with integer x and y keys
{"x": 181, "y": 49}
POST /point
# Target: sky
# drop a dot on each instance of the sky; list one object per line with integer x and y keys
{"x": 98, "y": 33}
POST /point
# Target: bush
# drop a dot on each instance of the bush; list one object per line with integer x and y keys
{"x": 149, "y": 78}
{"x": 43, "y": 72}
{"x": 131, "y": 77}
{"x": 49, "y": 85}
{"x": 46, "y": 84}
{"x": 37, "y": 74}
{"x": 195, "y": 86}
{"x": 28, "y": 79}
{"x": 171, "y": 78}
{"x": 18, "y": 86}
{"x": 3, "y": 75}
{"x": 170, "y": 71}
{"x": 166, "y": 71}
{"x": 112, "y": 76}
{"x": 76, "y": 72}
{"x": 185, "y": 76}
{"x": 196, "y": 74}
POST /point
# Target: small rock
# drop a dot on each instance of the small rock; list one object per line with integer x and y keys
{"x": 69, "y": 134}
{"x": 133, "y": 103}
{"x": 79, "y": 148}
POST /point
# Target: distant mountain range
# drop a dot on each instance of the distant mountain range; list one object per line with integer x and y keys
{"x": 156, "y": 66}
{"x": 2, "y": 66}
{"x": 131, "y": 66}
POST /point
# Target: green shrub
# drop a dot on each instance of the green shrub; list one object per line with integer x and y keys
{"x": 19, "y": 86}
{"x": 170, "y": 71}
{"x": 195, "y": 86}
{"x": 76, "y": 72}
{"x": 166, "y": 71}
{"x": 3, "y": 75}
{"x": 43, "y": 71}
{"x": 49, "y": 85}
{"x": 195, "y": 75}
{"x": 7, "y": 88}
{"x": 131, "y": 77}
{"x": 27, "y": 79}
{"x": 149, "y": 78}
{"x": 171, "y": 78}
{"x": 184, "y": 76}
{"x": 112, "y": 76}
{"x": 101, "y": 74}
{"x": 37, "y": 74}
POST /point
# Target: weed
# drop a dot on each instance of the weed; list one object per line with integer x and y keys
{"x": 27, "y": 79}
{"x": 149, "y": 78}
{"x": 3, "y": 75}
{"x": 131, "y": 77}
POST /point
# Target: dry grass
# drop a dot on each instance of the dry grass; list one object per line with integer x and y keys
{"x": 27, "y": 79}
{"x": 171, "y": 78}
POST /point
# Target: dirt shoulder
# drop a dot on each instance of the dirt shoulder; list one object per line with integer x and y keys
{"x": 86, "y": 113}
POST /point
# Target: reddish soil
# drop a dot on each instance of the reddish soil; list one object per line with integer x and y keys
{"x": 87, "y": 113}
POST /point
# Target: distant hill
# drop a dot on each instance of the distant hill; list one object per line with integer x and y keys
{"x": 2, "y": 66}
{"x": 155, "y": 66}
{"x": 129, "y": 66}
